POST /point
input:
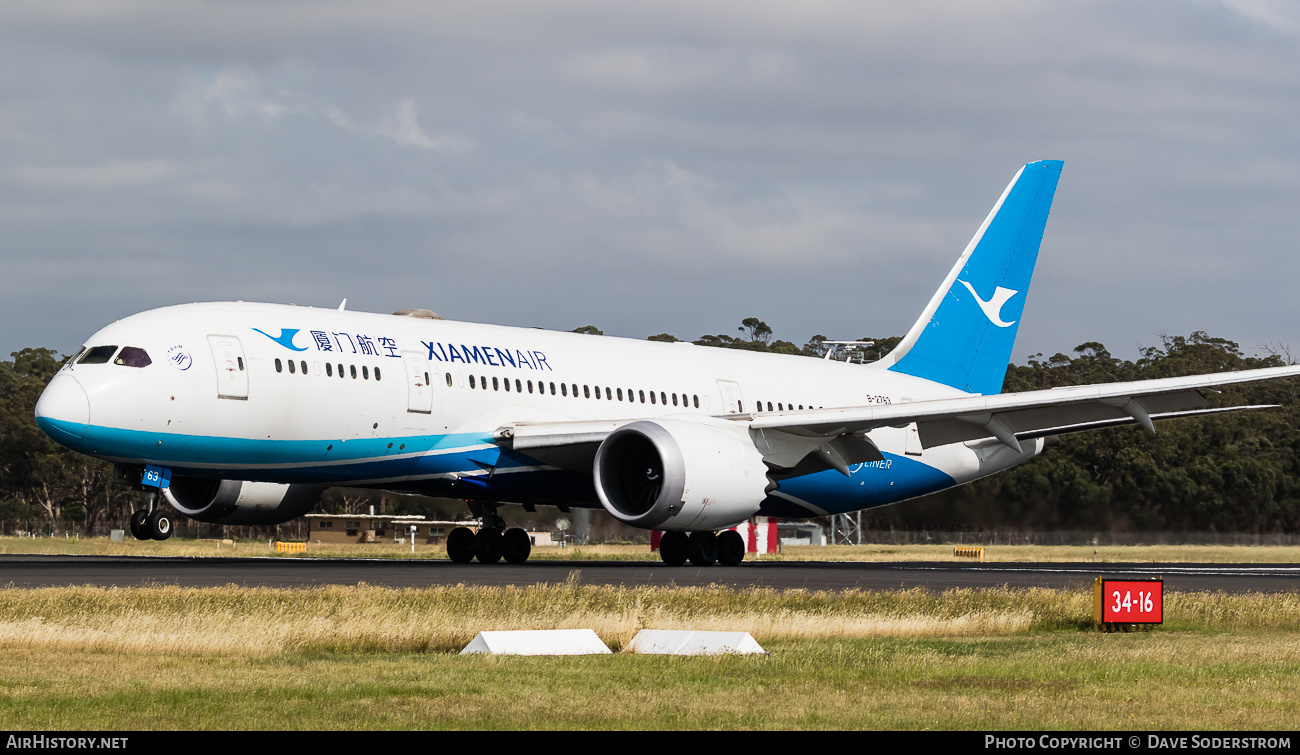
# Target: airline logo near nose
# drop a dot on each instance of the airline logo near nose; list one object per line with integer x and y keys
{"x": 992, "y": 308}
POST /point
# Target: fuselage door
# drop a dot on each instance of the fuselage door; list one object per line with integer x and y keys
{"x": 232, "y": 372}
{"x": 731, "y": 396}
{"x": 419, "y": 394}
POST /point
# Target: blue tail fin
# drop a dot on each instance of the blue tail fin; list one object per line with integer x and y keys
{"x": 965, "y": 335}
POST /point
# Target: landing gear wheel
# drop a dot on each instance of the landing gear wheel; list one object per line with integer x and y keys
{"x": 516, "y": 546}
{"x": 672, "y": 548}
{"x": 487, "y": 545}
{"x": 139, "y": 528}
{"x": 460, "y": 545}
{"x": 702, "y": 548}
{"x": 159, "y": 525}
{"x": 731, "y": 548}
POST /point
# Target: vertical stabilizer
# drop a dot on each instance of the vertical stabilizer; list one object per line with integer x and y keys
{"x": 965, "y": 335}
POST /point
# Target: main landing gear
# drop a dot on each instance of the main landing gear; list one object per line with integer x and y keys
{"x": 489, "y": 546}
{"x": 151, "y": 523}
{"x": 702, "y": 548}
{"x": 492, "y": 543}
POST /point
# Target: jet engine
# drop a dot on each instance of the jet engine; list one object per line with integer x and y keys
{"x": 680, "y": 475}
{"x": 239, "y": 501}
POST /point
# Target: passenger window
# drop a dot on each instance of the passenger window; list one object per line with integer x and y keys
{"x": 552, "y": 389}
{"x": 507, "y": 384}
{"x": 642, "y": 395}
{"x": 482, "y": 381}
{"x": 426, "y": 376}
{"x": 98, "y": 355}
{"x": 329, "y": 369}
{"x": 448, "y": 379}
{"x": 652, "y": 397}
{"x": 352, "y": 368}
{"x": 586, "y": 391}
{"x": 564, "y": 389}
{"x": 496, "y": 385}
{"x": 697, "y": 400}
{"x": 304, "y": 366}
{"x": 619, "y": 393}
{"x": 575, "y": 390}
{"x": 279, "y": 367}
{"x": 365, "y": 372}
{"x": 340, "y": 370}
{"x": 237, "y": 359}
{"x": 674, "y": 399}
{"x": 292, "y": 369}
{"x": 530, "y": 386}
{"x": 472, "y": 384}
{"x": 519, "y": 388}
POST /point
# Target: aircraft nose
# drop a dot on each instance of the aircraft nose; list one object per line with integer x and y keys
{"x": 63, "y": 411}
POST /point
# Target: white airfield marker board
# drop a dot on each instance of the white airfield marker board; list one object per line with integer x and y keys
{"x": 537, "y": 642}
{"x": 686, "y": 642}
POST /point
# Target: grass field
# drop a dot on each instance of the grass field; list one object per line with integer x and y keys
{"x": 641, "y": 552}
{"x": 378, "y": 658}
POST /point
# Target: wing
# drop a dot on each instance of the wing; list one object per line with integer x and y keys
{"x": 1030, "y": 414}
{"x": 837, "y": 435}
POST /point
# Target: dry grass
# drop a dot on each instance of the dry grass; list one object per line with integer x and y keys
{"x": 265, "y": 621}
{"x": 380, "y": 658}
{"x": 641, "y": 552}
{"x": 1047, "y": 553}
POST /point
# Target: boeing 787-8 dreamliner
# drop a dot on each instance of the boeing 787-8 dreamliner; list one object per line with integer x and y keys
{"x": 243, "y": 413}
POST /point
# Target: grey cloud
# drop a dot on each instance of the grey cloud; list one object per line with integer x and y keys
{"x": 665, "y": 166}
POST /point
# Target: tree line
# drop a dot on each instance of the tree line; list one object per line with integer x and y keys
{"x": 1225, "y": 473}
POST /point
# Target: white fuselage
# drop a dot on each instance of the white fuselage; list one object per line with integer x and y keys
{"x": 411, "y": 404}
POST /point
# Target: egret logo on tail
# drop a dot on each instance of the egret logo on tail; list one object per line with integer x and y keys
{"x": 992, "y": 308}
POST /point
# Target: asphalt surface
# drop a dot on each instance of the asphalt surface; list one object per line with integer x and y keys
{"x": 29, "y": 571}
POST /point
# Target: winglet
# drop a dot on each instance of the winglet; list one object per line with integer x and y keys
{"x": 964, "y": 336}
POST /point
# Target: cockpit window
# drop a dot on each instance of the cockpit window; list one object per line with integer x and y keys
{"x": 98, "y": 355}
{"x": 133, "y": 357}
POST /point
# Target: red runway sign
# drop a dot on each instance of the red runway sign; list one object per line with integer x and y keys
{"x": 1128, "y": 601}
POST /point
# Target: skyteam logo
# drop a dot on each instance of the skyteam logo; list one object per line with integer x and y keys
{"x": 992, "y": 308}
{"x": 285, "y": 338}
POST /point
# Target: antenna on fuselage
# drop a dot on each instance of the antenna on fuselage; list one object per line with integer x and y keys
{"x": 343, "y": 304}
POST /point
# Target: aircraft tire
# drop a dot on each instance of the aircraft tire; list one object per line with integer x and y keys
{"x": 702, "y": 548}
{"x": 460, "y": 545}
{"x": 516, "y": 546}
{"x": 673, "y": 548}
{"x": 139, "y": 528}
{"x": 159, "y": 525}
{"x": 731, "y": 548}
{"x": 487, "y": 545}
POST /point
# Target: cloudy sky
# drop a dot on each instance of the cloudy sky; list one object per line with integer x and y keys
{"x": 648, "y": 167}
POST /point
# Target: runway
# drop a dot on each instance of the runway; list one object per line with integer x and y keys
{"x": 32, "y": 571}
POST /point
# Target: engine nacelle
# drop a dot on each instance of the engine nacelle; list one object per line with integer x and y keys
{"x": 680, "y": 475}
{"x": 239, "y": 501}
